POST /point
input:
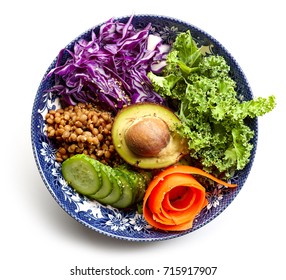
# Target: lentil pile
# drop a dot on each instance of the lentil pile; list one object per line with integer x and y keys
{"x": 79, "y": 129}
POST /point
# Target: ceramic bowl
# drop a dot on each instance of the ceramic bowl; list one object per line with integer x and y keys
{"x": 129, "y": 225}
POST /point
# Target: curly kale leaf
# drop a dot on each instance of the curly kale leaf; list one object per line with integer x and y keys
{"x": 213, "y": 119}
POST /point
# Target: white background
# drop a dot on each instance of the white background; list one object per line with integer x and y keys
{"x": 40, "y": 241}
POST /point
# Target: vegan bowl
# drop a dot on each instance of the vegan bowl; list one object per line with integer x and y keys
{"x": 143, "y": 61}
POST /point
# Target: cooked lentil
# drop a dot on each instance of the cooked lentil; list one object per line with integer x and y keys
{"x": 82, "y": 128}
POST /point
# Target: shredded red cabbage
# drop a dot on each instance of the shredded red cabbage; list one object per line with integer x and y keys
{"x": 111, "y": 69}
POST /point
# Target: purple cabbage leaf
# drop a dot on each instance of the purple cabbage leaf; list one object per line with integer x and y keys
{"x": 111, "y": 69}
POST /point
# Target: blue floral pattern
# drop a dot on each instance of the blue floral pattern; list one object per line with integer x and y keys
{"x": 129, "y": 225}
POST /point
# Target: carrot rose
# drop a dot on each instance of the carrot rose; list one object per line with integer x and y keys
{"x": 174, "y": 198}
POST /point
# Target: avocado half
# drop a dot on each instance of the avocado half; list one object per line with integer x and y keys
{"x": 144, "y": 135}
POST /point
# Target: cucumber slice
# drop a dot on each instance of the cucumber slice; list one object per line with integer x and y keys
{"x": 116, "y": 192}
{"x": 132, "y": 179}
{"x": 141, "y": 188}
{"x": 106, "y": 187}
{"x": 126, "y": 199}
{"x": 138, "y": 182}
{"x": 80, "y": 173}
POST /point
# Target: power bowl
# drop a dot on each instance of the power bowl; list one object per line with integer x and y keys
{"x": 129, "y": 225}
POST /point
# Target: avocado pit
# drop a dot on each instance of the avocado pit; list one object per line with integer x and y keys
{"x": 148, "y": 136}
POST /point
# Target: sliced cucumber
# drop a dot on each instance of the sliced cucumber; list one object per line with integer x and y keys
{"x": 126, "y": 199}
{"x": 118, "y": 187}
{"x": 132, "y": 179}
{"x": 106, "y": 187}
{"x": 138, "y": 181}
{"x": 80, "y": 173}
{"x": 116, "y": 192}
{"x": 141, "y": 187}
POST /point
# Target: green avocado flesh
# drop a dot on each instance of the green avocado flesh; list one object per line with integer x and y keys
{"x": 175, "y": 146}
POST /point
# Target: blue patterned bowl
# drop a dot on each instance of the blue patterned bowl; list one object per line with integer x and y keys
{"x": 130, "y": 225}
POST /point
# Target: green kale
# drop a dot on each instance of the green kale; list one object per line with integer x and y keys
{"x": 213, "y": 118}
